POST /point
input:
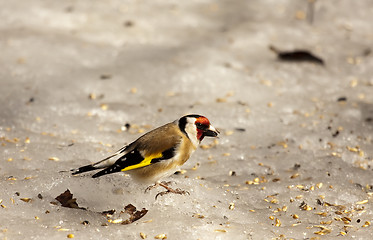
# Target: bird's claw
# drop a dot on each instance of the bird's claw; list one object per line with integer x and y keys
{"x": 163, "y": 184}
{"x": 170, "y": 190}
{"x": 150, "y": 188}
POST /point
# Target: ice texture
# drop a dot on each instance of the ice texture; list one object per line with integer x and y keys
{"x": 79, "y": 79}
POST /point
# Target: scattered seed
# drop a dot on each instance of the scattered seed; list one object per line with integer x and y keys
{"x": 366, "y": 224}
{"x": 205, "y": 146}
{"x": 220, "y": 230}
{"x": 26, "y": 199}
{"x": 324, "y": 214}
{"x": 353, "y": 83}
{"x": 195, "y": 167}
{"x": 346, "y": 220}
{"x": 231, "y": 206}
{"x": 104, "y": 106}
{"x": 362, "y": 202}
{"x": 295, "y": 175}
{"x": 228, "y": 133}
{"x": 161, "y": 236}
{"x": 353, "y": 149}
{"x": 197, "y": 215}
{"x": 221, "y": 100}
{"x": 143, "y": 235}
{"x": 274, "y": 201}
{"x": 119, "y": 220}
{"x": 56, "y": 159}
{"x": 326, "y": 222}
{"x": 323, "y": 230}
{"x": 283, "y": 144}
{"x": 92, "y": 96}
{"x": 70, "y": 235}
{"x": 278, "y": 223}
{"x": 299, "y": 197}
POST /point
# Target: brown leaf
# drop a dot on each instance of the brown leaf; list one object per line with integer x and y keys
{"x": 66, "y": 199}
{"x": 130, "y": 209}
{"x": 134, "y": 214}
{"x": 297, "y": 56}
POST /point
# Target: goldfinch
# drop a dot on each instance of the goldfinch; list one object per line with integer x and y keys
{"x": 158, "y": 153}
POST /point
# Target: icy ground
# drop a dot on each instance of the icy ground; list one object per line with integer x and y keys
{"x": 295, "y": 157}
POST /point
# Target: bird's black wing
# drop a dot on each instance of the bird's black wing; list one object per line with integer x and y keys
{"x": 134, "y": 159}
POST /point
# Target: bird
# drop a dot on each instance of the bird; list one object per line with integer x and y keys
{"x": 158, "y": 153}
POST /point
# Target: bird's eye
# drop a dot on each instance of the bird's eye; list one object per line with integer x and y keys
{"x": 201, "y": 126}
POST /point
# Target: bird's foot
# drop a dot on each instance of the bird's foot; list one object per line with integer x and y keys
{"x": 170, "y": 190}
{"x": 164, "y": 183}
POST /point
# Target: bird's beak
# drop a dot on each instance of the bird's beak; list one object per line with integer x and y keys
{"x": 211, "y": 132}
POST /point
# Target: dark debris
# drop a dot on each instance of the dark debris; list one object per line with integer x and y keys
{"x": 297, "y": 56}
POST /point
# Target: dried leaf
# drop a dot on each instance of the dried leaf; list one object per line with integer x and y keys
{"x": 66, "y": 199}
{"x": 297, "y": 56}
{"x": 134, "y": 214}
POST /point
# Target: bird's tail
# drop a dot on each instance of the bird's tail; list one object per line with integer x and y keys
{"x": 107, "y": 162}
{"x": 83, "y": 169}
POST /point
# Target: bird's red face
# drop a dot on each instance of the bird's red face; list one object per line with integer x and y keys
{"x": 204, "y": 128}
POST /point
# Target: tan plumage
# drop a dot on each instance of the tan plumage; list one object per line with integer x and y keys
{"x": 158, "y": 141}
{"x": 158, "y": 153}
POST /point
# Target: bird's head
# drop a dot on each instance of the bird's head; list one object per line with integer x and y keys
{"x": 196, "y": 127}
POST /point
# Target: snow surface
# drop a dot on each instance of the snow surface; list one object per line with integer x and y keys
{"x": 294, "y": 160}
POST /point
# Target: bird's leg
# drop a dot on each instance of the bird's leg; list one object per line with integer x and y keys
{"x": 165, "y": 185}
{"x": 169, "y": 190}
{"x": 156, "y": 185}
{"x": 151, "y": 187}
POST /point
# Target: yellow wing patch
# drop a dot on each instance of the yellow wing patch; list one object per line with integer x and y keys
{"x": 147, "y": 161}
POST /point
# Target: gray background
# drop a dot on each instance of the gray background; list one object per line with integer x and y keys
{"x": 74, "y": 72}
